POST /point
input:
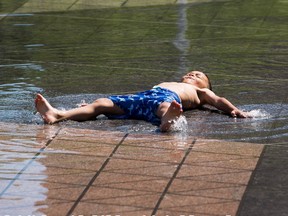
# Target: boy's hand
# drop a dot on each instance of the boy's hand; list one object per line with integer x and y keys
{"x": 239, "y": 114}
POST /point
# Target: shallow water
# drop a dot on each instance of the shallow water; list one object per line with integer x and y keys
{"x": 76, "y": 55}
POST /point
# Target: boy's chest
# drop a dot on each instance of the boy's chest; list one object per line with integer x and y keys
{"x": 189, "y": 98}
{"x": 191, "y": 102}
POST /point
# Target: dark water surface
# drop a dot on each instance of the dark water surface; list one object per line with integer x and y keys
{"x": 70, "y": 55}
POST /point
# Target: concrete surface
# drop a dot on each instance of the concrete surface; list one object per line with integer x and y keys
{"x": 67, "y": 171}
{"x": 54, "y": 5}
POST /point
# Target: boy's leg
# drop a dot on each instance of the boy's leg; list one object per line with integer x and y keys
{"x": 51, "y": 115}
{"x": 168, "y": 112}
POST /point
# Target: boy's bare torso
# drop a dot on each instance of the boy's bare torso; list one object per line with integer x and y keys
{"x": 188, "y": 94}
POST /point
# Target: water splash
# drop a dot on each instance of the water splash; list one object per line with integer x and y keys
{"x": 180, "y": 125}
{"x": 82, "y": 103}
{"x": 259, "y": 114}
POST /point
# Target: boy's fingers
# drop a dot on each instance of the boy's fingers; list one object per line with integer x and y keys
{"x": 245, "y": 115}
{"x": 239, "y": 114}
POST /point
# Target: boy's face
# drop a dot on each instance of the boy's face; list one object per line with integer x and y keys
{"x": 196, "y": 78}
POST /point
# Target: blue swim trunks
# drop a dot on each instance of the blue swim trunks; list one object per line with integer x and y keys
{"x": 143, "y": 105}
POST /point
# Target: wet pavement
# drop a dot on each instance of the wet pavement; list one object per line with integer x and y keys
{"x": 64, "y": 171}
{"x": 72, "y": 50}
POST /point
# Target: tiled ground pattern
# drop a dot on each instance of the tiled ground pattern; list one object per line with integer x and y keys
{"x": 112, "y": 173}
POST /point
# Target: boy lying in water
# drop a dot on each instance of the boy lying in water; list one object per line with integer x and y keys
{"x": 161, "y": 105}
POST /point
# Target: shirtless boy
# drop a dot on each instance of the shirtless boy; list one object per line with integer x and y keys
{"x": 161, "y": 105}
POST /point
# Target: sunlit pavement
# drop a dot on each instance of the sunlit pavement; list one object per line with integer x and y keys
{"x": 53, "y": 170}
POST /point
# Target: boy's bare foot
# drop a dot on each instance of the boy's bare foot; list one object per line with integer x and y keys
{"x": 172, "y": 114}
{"x": 47, "y": 112}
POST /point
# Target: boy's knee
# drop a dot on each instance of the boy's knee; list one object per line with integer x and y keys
{"x": 103, "y": 102}
{"x": 107, "y": 106}
{"x": 162, "y": 108}
{"x": 164, "y": 105}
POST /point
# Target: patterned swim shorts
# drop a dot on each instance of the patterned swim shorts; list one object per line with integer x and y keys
{"x": 143, "y": 105}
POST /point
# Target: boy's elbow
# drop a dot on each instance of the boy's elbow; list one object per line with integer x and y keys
{"x": 220, "y": 103}
{"x": 221, "y": 100}
{"x": 216, "y": 100}
{"x": 209, "y": 97}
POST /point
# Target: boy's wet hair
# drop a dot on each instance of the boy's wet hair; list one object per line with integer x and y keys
{"x": 209, "y": 82}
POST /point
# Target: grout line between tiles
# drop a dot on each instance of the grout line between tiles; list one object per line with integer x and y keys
{"x": 172, "y": 178}
{"x": 123, "y": 3}
{"x": 95, "y": 176}
{"x": 75, "y": 2}
{"x": 13, "y": 11}
{"x": 29, "y": 163}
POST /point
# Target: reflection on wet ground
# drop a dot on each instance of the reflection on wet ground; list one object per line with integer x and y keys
{"x": 82, "y": 50}
{"x": 22, "y": 173}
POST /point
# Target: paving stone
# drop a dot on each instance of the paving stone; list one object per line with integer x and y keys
{"x": 213, "y": 178}
{"x": 90, "y": 4}
{"x": 81, "y": 171}
{"x": 45, "y": 5}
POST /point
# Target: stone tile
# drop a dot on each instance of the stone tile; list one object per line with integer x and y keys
{"x": 141, "y": 167}
{"x": 153, "y": 149}
{"x": 135, "y": 177}
{"x": 212, "y": 179}
{"x": 214, "y": 174}
{"x": 117, "y": 201}
{"x": 144, "y": 183}
{"x": 222, "y": 160}
{"x": 33, "y": 6}
{"x": 87, "y": 142}
{"x": 75, "y": 157}
{"x": 135, "y": 3}
{"x": 233, "y": 148}
{"x": 90, "y": 4}
{"x": 194, "y": 1}
{"x": 102, "y": 172}
{"x": 192, "y": 206}
{"x": 202, "y": 188}
{"x": 22, "y": 130}
{"x": 149, "y": 154}
{"x": 21, "y": 175}
{"x": 90, "y": 208}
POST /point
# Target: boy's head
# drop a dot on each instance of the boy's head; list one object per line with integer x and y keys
{"x": 197, "y": 78}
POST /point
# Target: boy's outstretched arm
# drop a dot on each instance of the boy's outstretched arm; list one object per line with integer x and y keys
{"x": 208, "y": 97}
